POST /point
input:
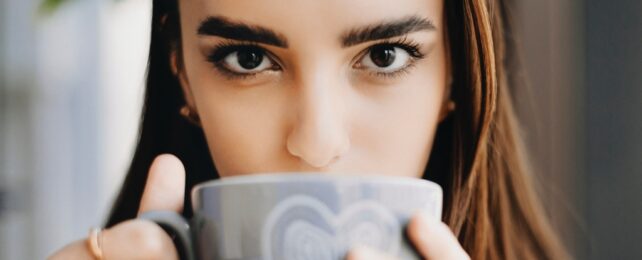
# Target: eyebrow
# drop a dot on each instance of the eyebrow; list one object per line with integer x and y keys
{"x": 387, "y": 29}
{"x": 226, "y": 28}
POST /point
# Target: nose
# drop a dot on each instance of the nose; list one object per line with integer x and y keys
{"x": 319, "y": 135}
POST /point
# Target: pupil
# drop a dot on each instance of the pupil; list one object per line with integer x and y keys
{"x": 382, "y": 56}
{"x": 249, "y": 59}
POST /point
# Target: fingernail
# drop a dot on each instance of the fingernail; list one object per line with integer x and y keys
{"x": 427, "y": 216}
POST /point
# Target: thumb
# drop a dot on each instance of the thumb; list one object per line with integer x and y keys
{"x": 433, "y": 239}
{"x": 165, "y": 186}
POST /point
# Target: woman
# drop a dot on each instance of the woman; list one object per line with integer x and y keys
{"x": 415, "y": 88}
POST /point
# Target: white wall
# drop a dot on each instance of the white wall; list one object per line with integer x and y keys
{"x": 71, "y": 97}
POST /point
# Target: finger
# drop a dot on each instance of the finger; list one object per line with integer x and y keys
{"x": 165, "y": 187}
{"x": 77, "y": 250}
{"x": 433, "y": 239}
{"x": 137, "y": 239}
{"x": 367, "y": 253}
{"x": 132, "y": 239}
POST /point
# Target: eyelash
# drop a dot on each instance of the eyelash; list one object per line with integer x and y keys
{"x": 222, "y": 50}
{"x": 410, "y": 46}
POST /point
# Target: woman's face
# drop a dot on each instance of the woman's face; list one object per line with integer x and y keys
{"x": 328, "y": 86}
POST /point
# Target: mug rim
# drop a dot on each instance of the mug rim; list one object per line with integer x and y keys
{"x": 287, "y": 177}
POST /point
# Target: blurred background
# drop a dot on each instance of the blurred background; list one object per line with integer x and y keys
{"x": 71, "y": 86}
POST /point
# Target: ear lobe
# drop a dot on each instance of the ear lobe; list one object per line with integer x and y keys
{"x": 179, "y": 73}
{"x": 448, "y": 105}
{"x": 173, "y": 62}
{"x": 446, "y": 109}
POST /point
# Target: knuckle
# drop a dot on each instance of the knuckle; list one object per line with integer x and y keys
{"x": 150, "y": 240}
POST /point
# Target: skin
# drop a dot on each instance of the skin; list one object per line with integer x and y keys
{"x": 317, "y": 113}
{"x": 321, "y": 109}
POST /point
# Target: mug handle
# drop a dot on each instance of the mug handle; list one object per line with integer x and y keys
{"x": 178, "y": 229}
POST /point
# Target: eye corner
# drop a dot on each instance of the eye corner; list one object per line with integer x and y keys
{"x": 358, "y": 64}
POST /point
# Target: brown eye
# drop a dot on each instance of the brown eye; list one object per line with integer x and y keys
{"x": 382, "y": 56}
{"x": 247, "y": 60}
{"x": 385, "y": 59}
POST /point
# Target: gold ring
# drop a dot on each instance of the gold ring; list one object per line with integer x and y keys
{"x": 95, "y": 243}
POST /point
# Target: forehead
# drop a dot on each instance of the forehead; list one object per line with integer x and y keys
{"x": 319, "y": 17}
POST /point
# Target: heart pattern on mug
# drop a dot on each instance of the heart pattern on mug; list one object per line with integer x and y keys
{"x": 304, "y": 228}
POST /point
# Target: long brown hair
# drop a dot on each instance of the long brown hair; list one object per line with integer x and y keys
{"x": 478, "y": 156}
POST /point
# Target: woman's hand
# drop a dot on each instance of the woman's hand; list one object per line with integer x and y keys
{"x": 432, "y": 238}
{"x": 137, "y": 238}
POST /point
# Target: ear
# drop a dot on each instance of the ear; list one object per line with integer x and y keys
{"x": 447, "y": 105}
{"x": 176, "y": 64}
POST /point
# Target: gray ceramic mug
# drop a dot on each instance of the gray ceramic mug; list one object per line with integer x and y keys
{"x": 299, "y": 216}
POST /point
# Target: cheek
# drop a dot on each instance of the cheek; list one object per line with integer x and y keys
{"x": 243, "y": 126}
{"x": 244, "y": 130}
{"x": 399, "y": 132}
{"x": 390, "y": 128}
{"x": 398, "y": 129}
